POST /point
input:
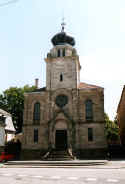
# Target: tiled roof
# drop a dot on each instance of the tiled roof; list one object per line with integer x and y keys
{"x": 83, "y": 85}
{"x": 38, "y": 90}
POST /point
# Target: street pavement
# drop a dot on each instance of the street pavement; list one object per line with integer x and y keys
{"x": 113, "y": 172}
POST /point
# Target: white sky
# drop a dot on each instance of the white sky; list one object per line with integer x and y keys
{"x": 98, "y": 26}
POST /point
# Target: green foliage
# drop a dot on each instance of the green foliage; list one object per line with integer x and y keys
{"x": 12, "y": 101}
{"x": 111, "y": 129}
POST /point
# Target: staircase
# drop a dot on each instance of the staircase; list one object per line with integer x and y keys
{"x": 58, "y": 155}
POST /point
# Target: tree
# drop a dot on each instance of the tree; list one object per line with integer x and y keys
{"x": 12, "y": 101}
{"x": 111, "y": 129}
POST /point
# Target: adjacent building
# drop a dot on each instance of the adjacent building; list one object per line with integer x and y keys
{"x": 7, "y": 130}
{"x": 121, "y": 117}
{"x": 66, "y": 114}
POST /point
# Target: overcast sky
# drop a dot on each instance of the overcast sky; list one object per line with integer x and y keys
{"x": 98, "y": 26}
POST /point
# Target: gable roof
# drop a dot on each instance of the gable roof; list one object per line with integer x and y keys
{"x": 9, "y": 124}
{"x": 8, "y": 121}
{"x": 83, "y": 85}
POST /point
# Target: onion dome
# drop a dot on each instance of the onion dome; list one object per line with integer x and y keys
{"x": 62, "y": 38}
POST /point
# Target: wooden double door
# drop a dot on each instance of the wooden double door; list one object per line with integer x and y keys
{"x": 61, "y": 139}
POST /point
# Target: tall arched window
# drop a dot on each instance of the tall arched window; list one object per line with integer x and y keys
{"x": 89, "y": 110}
{"x": 36, "y": 113}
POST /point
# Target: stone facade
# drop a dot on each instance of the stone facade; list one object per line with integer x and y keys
{"x": 121, "y": 117}
{"x": 65, "y": 120}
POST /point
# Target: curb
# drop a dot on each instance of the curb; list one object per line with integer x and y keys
{"x": 54, "y": 163}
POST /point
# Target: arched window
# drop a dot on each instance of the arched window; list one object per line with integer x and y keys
{"x": 63, "y": 52}
{"x": 58, "y": 53}
{"x": 89, "y": 110}
{"x": 61, "y": 77}
{"x": 36, "y": 113}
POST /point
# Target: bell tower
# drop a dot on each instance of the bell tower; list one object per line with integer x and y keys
{"x": 63, "y": 66}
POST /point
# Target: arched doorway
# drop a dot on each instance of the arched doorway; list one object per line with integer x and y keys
{"x": 61, "y": 135}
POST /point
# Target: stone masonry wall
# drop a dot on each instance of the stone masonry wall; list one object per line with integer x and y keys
{"x": 75, "y": 114}
{"x": 65, "y": 66}
{"x": 121, "y": 118}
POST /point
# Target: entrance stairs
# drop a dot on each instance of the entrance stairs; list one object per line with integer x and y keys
{"x": 58, "y": 155}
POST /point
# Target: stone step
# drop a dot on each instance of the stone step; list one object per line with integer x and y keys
{"x": 58, "y": 155}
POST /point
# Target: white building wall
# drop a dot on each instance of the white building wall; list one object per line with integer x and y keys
{"x": 2, "y": 136}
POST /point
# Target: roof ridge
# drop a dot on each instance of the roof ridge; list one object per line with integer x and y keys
{"x": 86, "y": 85}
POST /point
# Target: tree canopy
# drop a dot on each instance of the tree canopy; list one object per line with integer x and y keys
{"x": 111, "y": 129}
{"x": 12, "y": 101}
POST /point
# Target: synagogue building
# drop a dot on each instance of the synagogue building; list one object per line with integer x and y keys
{"x": 66, "y": 115}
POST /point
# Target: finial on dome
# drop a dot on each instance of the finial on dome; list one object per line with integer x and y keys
{"x": 63, "y": 25}
{"x": 62, "y": 38}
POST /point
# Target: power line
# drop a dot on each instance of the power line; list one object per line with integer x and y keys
{"x": 8, "y": 2}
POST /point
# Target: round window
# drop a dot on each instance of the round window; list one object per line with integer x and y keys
{"x": 61, "y": 100}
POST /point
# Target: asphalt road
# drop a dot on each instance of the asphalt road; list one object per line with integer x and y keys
{"x": 91, "y": 175}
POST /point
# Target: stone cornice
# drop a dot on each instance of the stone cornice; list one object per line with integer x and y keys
{"x": 51, "y": 59}
{"x": 91, "y": 122}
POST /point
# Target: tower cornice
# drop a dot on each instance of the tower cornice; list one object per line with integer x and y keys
{"x": 51, "y": 59}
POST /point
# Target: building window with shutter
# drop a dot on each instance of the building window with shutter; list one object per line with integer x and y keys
{"x": 36, "y": 113}
{"x": 89, "y": 110}
{"x": 35, "y": 135}
{"x": 90, "y": 134}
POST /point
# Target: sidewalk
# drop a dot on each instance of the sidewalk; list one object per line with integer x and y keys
{"x": 1, "y": 165}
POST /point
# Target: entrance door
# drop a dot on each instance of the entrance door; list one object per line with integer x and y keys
{"x": 61, "y": 139}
